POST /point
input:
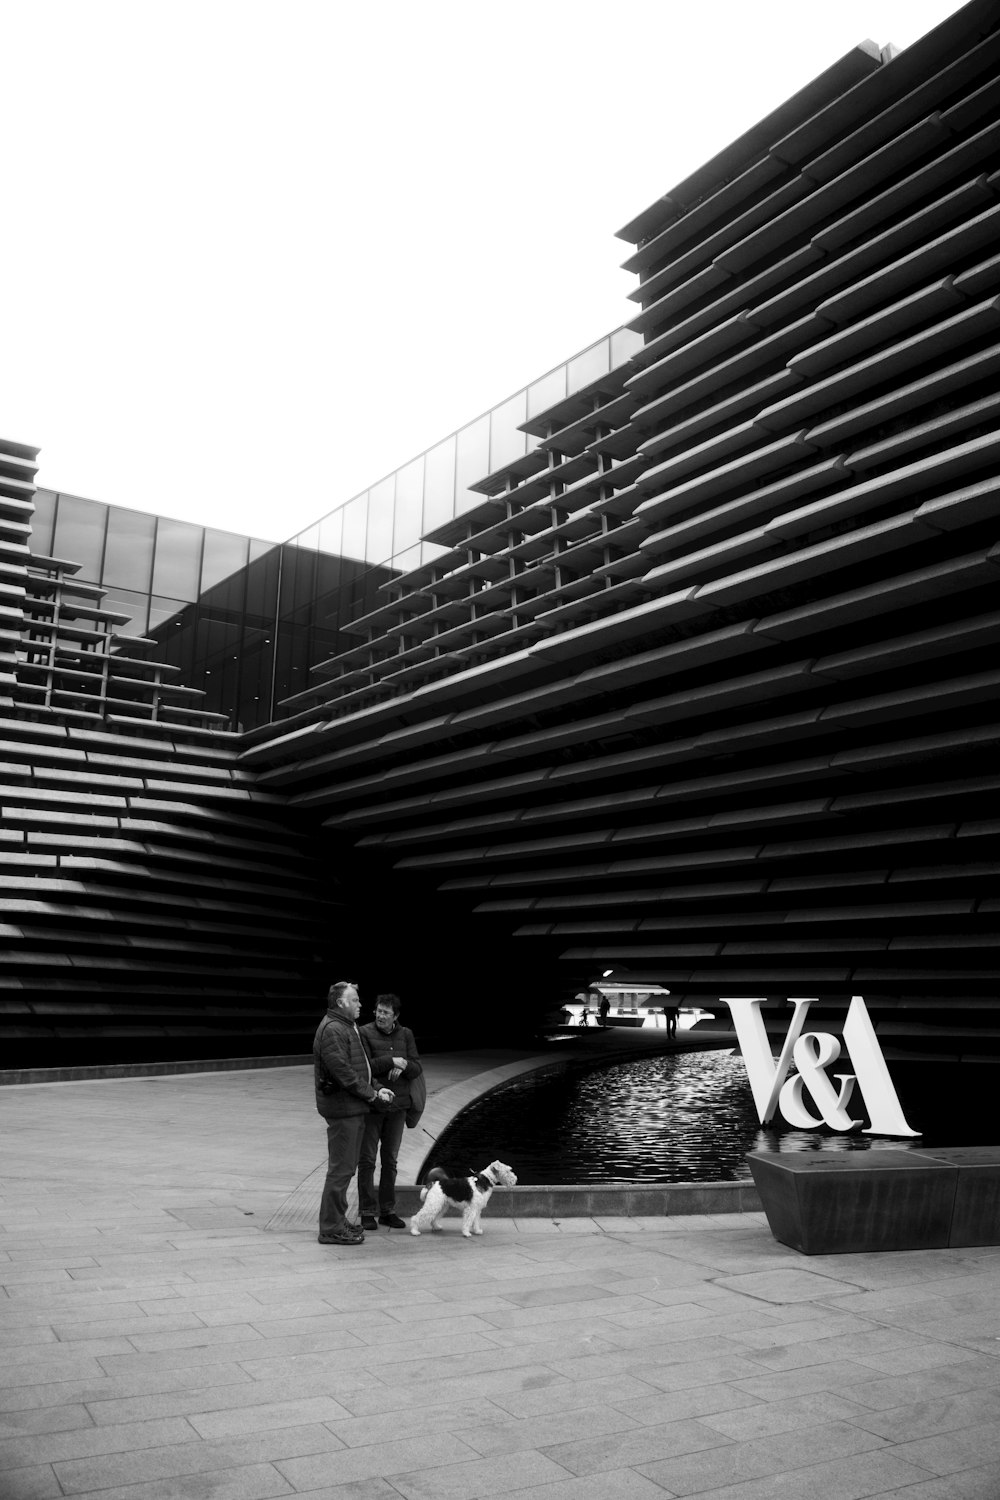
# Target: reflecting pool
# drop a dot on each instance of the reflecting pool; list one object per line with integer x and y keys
{"x": 682, "y": 1117}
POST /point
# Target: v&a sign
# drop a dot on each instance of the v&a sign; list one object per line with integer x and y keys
{"x": 812, "y": 1053}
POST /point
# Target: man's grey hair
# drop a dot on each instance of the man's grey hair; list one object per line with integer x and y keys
{"x": 336, "y": 991}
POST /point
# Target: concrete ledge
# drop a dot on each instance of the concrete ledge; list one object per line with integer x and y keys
{"x": 613, "y": 1200}
{"x": 10, "y": 1076}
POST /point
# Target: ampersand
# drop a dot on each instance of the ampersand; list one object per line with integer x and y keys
{"x": 814, "y": 1052}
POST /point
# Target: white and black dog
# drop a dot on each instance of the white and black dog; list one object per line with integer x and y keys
{"x": 471, "y": 1194}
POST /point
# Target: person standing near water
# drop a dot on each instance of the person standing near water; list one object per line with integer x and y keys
{"x": 394, "y": 1060}
{"x": 344, "y": 1090}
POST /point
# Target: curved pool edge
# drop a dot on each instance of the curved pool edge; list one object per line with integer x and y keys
{"x": 598, "y": 1050}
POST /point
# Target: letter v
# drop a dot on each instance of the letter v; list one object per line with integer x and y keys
{"x": 766, "y": 1077}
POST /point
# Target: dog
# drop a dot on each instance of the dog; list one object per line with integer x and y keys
{"x": 471, "y": 1194}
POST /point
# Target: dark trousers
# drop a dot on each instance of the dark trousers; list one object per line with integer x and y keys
{"x": 343, "y": 1144}
{"x": 383, "y": 1134}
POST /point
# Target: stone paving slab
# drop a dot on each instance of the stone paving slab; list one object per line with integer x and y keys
{"x": 157, "y": 1344}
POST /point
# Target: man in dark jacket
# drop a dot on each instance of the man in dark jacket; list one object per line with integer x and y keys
{"x": 344, "y": 1090}
{"x": 394, "y": 1060}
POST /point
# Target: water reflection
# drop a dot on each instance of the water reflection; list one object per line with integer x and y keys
{"x": 686, "y": 1117}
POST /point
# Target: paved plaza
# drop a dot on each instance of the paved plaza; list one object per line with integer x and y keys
{"x": 167, "y": 1334}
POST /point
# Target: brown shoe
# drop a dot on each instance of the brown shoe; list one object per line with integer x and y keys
{"x": 341, "y": 1239}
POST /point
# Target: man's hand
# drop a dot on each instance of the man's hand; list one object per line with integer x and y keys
{"x": 385, "y": 1096}
{"x": 400, "y": 1063}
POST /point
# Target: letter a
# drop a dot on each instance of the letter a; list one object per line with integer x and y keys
{"x": 880, "y": 1097}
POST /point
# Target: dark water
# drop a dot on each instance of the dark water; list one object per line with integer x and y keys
{"x": 683, "y": 1117}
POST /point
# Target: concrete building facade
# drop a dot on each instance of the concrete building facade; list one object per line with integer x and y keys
{"x": 701, "y": 684}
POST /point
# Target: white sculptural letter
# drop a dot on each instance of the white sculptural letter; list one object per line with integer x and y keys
{"x": 813, "y": 1052}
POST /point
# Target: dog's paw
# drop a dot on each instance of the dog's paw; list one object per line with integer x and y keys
{"x": 478, "y": 1229}
{"x": 414, "y": 1229}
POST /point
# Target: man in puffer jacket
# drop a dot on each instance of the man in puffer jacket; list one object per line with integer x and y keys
{"x": 394, "y": 1060}
{"x": 344, "y": 1090}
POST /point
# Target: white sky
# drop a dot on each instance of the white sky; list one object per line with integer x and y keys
{"x": 262, "y": 252}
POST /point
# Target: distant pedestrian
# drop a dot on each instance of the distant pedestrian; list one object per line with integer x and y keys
{"x": 603, "y": 1008}
{"x": 671, "y": 1012}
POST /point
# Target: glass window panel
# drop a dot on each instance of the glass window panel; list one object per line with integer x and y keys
{"x": 79, "y": 535}
{"x": 381, "y": 503}
{"x": 225, "y": 554}
{"x": 410, "y": 558}
{"x": 327, "y": 595}
{"x": 430, "y": 550}
{"x": 298, "y": 581}
{"x": 161, "y": 610}
{"x": 547, "y": 391}
{"x": 42, "y": 522}
{"x": 624, "y": 344}
{"x": 331, "y": 533}
{"x": 588, "y": 366}
{"x": 262, "y": 588}
{"x": 127, "y": 602}
{"x": 260, "y": 549}
{"x": 467, "y": 500}
{"x": 177, "y": 559}
{"x": 227, "y": 598}
{"x": 128, "y": 555}
{"x": 472, "y": 460}
{"x": 254, "y": 702}
{"x": 355, "y": 525}
{"x": 439, "y": 484}
{"x": 307, "y": 540}
{"x": 506, "y": 443}
{"x": 409, "y": 520}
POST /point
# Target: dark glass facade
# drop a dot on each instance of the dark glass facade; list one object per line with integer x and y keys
{"x": 247, "y": 620}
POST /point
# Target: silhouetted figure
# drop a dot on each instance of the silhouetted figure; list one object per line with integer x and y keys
{"x": 671, "y": 1012}
{"x": 602, "y": 1009}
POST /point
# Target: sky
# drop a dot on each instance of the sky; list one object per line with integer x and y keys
{"x": 260, "y": 253}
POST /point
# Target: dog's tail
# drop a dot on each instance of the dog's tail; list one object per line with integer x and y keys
{"x": 436, "y": 1174}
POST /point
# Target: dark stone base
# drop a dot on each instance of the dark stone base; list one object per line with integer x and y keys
{"x": 608, "y": 1200}
{"x": 836, "y": 1202}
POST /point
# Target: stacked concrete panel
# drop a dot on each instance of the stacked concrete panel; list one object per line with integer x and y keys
{"x": 705, "y": 691}
{"x": 153, "y": 902}
{"x": 17, "y": 475}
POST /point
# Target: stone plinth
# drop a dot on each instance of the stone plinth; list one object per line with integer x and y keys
{"x": 829, "y": 1202}
{"x": 975, "y": 1218}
